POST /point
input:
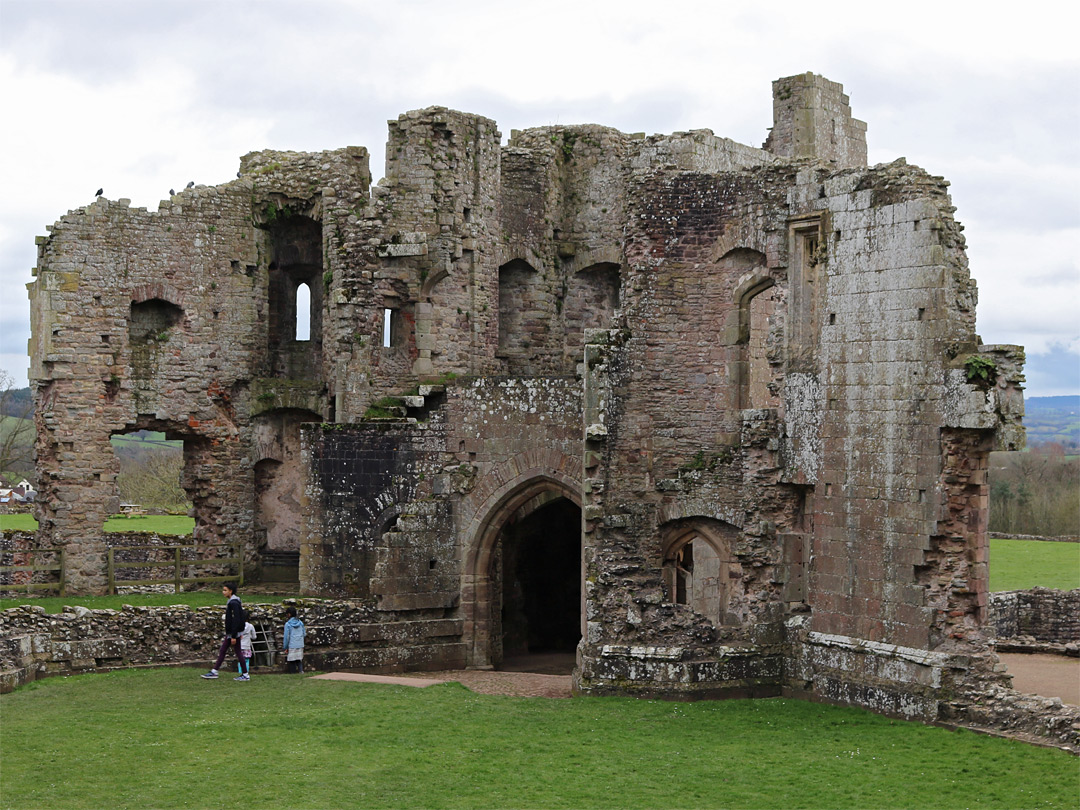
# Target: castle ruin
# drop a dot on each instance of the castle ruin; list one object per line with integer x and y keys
{"x": 715, "y": 417}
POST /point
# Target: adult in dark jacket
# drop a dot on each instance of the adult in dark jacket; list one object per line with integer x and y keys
{"x": 234, "y": 626}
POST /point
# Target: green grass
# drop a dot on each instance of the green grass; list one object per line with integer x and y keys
{"x": 1022, "y": 564}
{"x": 56, "y": 604}
{"x": 18, "y": 522}
{"x": 152, "y": 524}
{"x": 159, "y": 524}
{"x": 167, "y": 739}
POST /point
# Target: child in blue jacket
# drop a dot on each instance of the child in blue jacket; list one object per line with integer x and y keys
{"x": 294, "y": 642}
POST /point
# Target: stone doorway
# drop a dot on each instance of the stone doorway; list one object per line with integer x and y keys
{"x": 516, "y": 523}
{"x": 540, "y": 560}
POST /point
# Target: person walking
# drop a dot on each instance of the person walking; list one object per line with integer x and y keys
{"x": 234, "y": 626}
{"x": 294, "y": 642}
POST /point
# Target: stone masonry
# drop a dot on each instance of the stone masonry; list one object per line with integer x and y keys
{"x": 715, "y": 417}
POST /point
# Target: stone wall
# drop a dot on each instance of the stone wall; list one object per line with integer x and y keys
{"x": 1037, "y": 617}
{"x": 339, "y": 634}
{"x": 753, "y": 372}
{"x": 407, "y": 513}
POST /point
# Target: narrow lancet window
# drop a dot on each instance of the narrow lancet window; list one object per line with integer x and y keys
{"x": 303, "y": 312}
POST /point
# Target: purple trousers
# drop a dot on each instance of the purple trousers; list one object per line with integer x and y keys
{"x": 226, "y": 645}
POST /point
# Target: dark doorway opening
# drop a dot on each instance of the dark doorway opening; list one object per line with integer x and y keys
{"x": 541, "y": 582}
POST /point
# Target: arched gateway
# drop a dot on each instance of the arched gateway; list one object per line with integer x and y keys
{"x": 522, "y": 584}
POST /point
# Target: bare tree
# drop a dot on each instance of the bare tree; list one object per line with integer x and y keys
{"x": 16, "y": 426}
{"x": 150, "y": 475}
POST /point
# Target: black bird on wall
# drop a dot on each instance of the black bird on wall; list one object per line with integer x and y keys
{"x": 100, "y": 191}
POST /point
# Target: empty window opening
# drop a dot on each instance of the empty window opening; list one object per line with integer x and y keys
{"x": 150, "y": 473}
{"x": 701, "y": 574}
{"x": 303, "y": 312}
{"x": 388, "y": 328}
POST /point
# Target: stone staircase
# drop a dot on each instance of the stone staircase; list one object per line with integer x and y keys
{"x": 412, "y": 407}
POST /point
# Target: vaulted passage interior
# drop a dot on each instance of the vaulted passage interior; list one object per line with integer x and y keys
{"x": 541, "y": 579}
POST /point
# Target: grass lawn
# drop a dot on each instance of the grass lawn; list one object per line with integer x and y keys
{"x": 18, "y": 522}
{"x": 1021, "y": 564}
{"x": 159, "y": 524}
{"x": 55, "y": 604}
{"x": 167, "y": 739}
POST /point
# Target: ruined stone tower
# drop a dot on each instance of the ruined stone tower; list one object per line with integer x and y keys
{"x": 714, "y": 416}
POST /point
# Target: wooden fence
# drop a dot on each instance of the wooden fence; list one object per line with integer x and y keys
{"x": 179, "y": 566}
{"x": 23, "y": 577}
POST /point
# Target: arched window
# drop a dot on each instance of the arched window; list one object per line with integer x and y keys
{"x": 700, "y": 571}
{"x": 303, "y": 312}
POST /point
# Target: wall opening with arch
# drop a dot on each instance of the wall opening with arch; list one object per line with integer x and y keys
{"x": 700, "y": 569}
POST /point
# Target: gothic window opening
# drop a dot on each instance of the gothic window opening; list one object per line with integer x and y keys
{"x": 699, "y": 571}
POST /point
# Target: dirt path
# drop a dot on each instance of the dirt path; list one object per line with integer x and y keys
{"x": 1046, "y": 675}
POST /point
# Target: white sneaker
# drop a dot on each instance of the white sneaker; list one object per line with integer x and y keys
{"x": 210, "y": 675}
{"x": 243, "y": 678}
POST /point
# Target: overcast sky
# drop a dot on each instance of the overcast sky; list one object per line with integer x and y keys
{"x": 141, "y": 97}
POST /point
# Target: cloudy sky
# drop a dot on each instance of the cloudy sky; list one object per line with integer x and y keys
{"x": 140, "y": 97}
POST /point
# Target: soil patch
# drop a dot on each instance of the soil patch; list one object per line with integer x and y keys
{"x": 1047, "y": 675}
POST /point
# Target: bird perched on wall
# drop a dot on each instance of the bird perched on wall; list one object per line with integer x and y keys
{"x": 99, "y": 192}
{"x": 189, "y": 185}
{"x": 172, "y": 193}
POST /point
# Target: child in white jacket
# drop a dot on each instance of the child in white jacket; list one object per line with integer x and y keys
{"x": 246, "y": 639}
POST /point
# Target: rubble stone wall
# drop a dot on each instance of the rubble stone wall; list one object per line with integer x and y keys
{"x": 407, "y": 513}
{"x": 339, "y": 634}
{"x": 1044, "y": 615}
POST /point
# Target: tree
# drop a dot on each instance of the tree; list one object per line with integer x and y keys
{"x": 16, "y": 426}
{"x": 150, "y": 473}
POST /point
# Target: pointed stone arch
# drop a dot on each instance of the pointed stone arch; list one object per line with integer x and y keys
{"x": 701, "y": 569}
{"x": 521, "y": 495}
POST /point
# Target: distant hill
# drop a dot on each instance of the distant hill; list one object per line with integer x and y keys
{"x": 16, "y": 402}
{"x": 1041, "y": 404}
{"x": 1053, "y": 419}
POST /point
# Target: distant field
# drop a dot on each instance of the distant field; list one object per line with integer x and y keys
{"x": 1021, "y": 564}
{"x": 152, "y": 524}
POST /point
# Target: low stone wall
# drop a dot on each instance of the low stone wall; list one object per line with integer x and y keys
{"x": 1040, "y": 619}
{"x": 1061, "y": 538}
{"x": 346, "y": 634}
{"x": 341, "y": 634}
{"x": 954, "y": 690}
